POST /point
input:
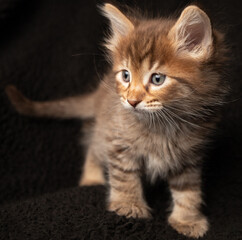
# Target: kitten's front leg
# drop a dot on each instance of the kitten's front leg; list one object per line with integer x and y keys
{"x": 126, "y": 195}
{"x": 186, "y": 217}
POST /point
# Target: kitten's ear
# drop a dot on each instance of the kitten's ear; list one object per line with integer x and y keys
{"x": 121, "y": 26}
{"x": 192, "y": 33}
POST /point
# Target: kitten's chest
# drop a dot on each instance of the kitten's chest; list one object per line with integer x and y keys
{"x": 159, "y": 151}
{"x": 159, "y": 154}
{"x": 144, "y": 142}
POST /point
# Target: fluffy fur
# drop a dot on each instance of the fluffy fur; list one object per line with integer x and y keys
{"x": 160, "y": 129}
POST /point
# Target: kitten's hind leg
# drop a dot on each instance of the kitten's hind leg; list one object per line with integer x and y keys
{"x": 92, "y": 171}
{"x": 186, "y": 217}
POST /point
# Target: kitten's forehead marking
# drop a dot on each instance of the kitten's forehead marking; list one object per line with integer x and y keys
{"x": 141, "y": 47}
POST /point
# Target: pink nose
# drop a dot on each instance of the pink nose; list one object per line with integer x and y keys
{"x": 133, "y": 103}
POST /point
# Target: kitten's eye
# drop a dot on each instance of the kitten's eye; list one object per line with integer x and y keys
{"x": 125, "y": 76}
{"x": 157, "y": 78}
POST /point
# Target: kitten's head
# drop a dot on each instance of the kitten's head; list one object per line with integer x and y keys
{"x": 161, "y": 63}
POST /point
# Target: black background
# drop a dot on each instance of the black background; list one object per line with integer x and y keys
{"x": 51, "y": 49}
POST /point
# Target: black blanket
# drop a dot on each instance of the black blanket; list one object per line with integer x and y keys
{"x": 51, "y": 49}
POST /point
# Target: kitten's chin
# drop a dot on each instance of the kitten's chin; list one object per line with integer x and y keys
{"x": 143, "y": 112}
{"x": 147, "y": 110}
{"x": 136, "y": 111}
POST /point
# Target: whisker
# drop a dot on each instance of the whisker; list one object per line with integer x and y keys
{"x": 184, "y": 120}
{"x": 192, "y": 113}
{"x": 163, "y": 115}
{"x": 172, "y": 120}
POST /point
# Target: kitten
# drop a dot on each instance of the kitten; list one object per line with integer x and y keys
{"x": 155, "y": 110}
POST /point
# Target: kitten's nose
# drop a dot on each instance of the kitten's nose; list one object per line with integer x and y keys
{"x": 133, "y": 103}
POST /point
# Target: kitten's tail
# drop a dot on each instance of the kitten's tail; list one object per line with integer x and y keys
{"x": 70, "y": 107}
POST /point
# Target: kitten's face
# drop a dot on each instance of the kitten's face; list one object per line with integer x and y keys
{"x": 148, "y": 73}
{"x": 140, "y": 90}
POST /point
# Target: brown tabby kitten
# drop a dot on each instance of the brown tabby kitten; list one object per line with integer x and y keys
{"x": 155, "y": 109}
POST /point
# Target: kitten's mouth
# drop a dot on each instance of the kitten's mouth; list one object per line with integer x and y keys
{"x": 137, "y": 110}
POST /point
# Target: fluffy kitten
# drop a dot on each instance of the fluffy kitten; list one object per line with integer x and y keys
{"x": 154, "y": 111}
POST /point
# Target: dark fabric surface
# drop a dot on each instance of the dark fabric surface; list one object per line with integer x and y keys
{"x": 51, "y": 49}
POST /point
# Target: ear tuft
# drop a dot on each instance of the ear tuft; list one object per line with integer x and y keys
{"x": 121, "y": 26}
{"x": 192, "y": 33}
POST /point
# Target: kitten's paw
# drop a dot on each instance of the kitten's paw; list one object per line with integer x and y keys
{"x": 196, "y": 228}
{"x": 129, "y": 209}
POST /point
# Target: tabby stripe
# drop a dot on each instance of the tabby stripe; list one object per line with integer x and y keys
{"x": 121, "y": 149}
{"x": 125, "y": 189}
{"x": 122, "y": 169}
{"x": 185, "y": 187}
{"x": 184, "y": 206}
{"x": 117, "y": 154}
{"x": 118, "y": 178}
{"x": 185, "y": 169}
{"x": 114, "y": 156}
{"x": 184, "y": 81}
{"x": 143, "y": 56}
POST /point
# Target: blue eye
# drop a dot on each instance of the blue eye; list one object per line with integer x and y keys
{"x": 157, "y": 78}
{"x": 125, "y": 76}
